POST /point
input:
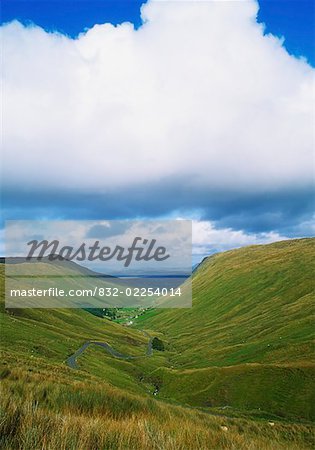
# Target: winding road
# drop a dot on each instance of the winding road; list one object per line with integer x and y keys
{"x": 72, "y": 360}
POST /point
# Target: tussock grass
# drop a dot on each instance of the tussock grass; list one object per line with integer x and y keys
{"x": 88, "y": 416}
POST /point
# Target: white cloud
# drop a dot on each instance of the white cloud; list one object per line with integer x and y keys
{"x": 197, "y": 92}
{"x": 208, "y": 239}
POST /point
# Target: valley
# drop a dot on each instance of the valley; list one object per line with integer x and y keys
{"x": 239, "y": 360}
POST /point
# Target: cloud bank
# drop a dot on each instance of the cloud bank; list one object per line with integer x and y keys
{"x": 196, "y": 110}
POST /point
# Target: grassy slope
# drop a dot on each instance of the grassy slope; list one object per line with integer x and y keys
{"x": 247, "y": 340}
{"x": 41, "y": 337}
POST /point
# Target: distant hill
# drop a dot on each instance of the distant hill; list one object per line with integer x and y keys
{"x": 63, "y": 263}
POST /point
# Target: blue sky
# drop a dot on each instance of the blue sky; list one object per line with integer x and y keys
{"x": 293, "y": 19}
{"x": 199, "y": 113}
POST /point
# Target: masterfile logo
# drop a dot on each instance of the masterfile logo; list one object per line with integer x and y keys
{"x": 140, "y": 250}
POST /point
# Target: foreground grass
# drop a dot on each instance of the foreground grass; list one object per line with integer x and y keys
{"x": 41, "y": 411}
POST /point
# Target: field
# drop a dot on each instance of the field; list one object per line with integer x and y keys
{"x": 237, "y": 371}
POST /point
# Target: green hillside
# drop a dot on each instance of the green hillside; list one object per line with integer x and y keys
{"x": 233, "y": 371}
{"x": 249, "y": 333}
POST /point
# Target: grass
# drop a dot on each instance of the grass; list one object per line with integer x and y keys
{"x": 247, "y": 342}
{"x": 277, "y": 391}
{"x": 239, "y": 359}
{"x": 42, "y": 410}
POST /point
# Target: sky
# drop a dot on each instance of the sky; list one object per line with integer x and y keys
{"x": 199, "y": 110}
{"x": 291, "y": 19}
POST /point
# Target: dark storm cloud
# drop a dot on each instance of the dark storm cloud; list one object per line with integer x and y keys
{"x": 280, "y": 211}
